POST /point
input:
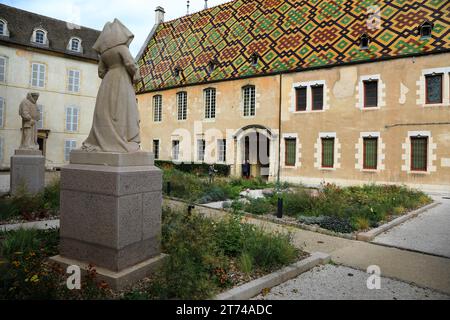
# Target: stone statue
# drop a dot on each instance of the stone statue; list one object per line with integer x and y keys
{"x": 29, "y": 112}
{"x": 115, "y": 126}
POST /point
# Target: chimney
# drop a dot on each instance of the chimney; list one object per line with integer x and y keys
{"x": 159, "y": 15}
{"x": 206, "y": 4}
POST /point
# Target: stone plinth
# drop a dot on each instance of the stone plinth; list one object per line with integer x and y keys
{"x": 27, "y": 171}
{"x": 111, "y": 214}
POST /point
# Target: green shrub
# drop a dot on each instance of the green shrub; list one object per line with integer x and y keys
{"x": 246, "y": 263}
{"x": 259, "y": 206}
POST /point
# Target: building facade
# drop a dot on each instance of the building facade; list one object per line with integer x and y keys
{"x": 312, "y": 92}
{"x": 55, "y": 59}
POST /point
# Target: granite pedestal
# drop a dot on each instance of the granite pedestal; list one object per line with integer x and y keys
{"x": 27, "y": 171}
{"x": 111, "y": 215}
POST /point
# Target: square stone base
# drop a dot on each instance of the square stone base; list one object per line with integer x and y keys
{"x": 117, "y": 280}
{"x": 27, "y": 171}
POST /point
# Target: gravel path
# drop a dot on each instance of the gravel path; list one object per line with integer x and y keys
{"x": 429, "y": 232}
{"x": 331, "y": 282}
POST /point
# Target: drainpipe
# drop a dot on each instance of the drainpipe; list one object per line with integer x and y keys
{"x": 280, "y": 200}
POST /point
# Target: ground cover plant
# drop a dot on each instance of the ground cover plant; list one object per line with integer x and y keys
{"x": 205, "y": 258}
{"x": 24, "y": 206}
{"x": 341, "y": 209}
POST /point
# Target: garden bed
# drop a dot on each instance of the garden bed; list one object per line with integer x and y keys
{"x": 206, "y": 257}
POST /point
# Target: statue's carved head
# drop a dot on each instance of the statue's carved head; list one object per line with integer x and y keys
{"x": 33, "y": 96}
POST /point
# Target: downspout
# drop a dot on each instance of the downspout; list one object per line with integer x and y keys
{"x": 279, "y": 130}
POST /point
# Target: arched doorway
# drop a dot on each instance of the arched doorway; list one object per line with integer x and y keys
{"x": 255, "y": 144}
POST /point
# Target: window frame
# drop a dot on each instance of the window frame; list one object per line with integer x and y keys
{"x": 44, "y": 37}
{"x": 156, "y": 148}
{"x": 365, "y": 167}
{"x": 222, "y": 150}
{"x": 74, "y": 85}
{"x": 38, "y": 74}
{"x": 318, "y": 86}
{"x": 366, "y": 82}
{"x": 297, "y": 93}
{"x": 40, "y": 108}
{"x": 175, "y": 147}
{"x": 201, "y": 150}
{"x": 5, "y": 68}
{"x": 4, "y": 31}
{"x": 157, "y": 108}
{"x": 71, "y": 42}
{"x": 180, "y": 95}
{"x": 286, "y": 158}
{"x": 419, "y": 137}
{"x": 249, "y": 103}
{"x": 72, "y": 122}
{"x": 2, "y": 112}
{"x": 427, "y": 76}
{"x": 210, "y": 103}
{"x": 67, "y": 150}
{"x": 322, "y": 139}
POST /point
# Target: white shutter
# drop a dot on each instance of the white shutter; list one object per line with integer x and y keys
{"x": 2, "y": 69}
{"x": 1, "y": 150}
{"x": 40, "y": 123}
{"x": 2, "y": 111}
{"x": 75, "y": 119}
{"x": 41, "y": 75}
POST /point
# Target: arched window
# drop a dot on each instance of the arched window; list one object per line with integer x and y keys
{"x": 75, "y": 44}
{"x": 254, "y": 59}
{"x": 364, "y": 42}
{"x": 39, "y": 36}
{"x": 425, "y": 30}
{"x": 4, "y": 28}
{"x": 212, "y": 65}
{"x": 177, "y": 72}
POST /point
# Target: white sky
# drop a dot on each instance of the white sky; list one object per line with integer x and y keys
{"x": 137, "y": 15}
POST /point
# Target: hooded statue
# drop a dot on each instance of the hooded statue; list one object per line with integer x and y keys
{"x": 115, "y": 126}
{"x": 29, "y": 112}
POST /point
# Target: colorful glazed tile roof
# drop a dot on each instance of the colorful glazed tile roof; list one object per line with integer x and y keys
{"x": 287, "y": 35}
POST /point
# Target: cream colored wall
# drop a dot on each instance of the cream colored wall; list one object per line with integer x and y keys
{"x": 400, "y": 99}
{"x": 54, "y": 97}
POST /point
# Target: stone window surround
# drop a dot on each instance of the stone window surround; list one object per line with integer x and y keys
{"x": 177, "y": 113}
{"x": 45, "y": 74}
{"x": 80, "y": 47}
{"x": 78, "y": 119}
{"x": 154, "y": 121}
{"x": 359, "y": 156}
{"x": 431, "y": 153}
{"x": 318, "y": 151}
{"x": 5, "y": 76}
{"x": 210, "y": 119}
{"x": 5, "y": 28}
{"x": 33, "y": 37}
{"x": 298, "y": 148}
{"x": 68, "y": 80}
{"x": 421, "y": 87}
{"x": 308, "y": 85}
{"x": 360, "y": 92}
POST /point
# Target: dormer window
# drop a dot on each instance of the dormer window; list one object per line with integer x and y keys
{"x": 74, "y": 45}
{"x": 4, "y": 28}
{"x": 425, "y": 30}
{"x": 40, "y": 37}
{"x": 364, "y": 42}
{"x": 177, "y": 72}
{"x": 254, "y": 59}
{"x": 212, "y": 66}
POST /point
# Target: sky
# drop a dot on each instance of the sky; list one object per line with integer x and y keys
{"x": 137, "y": 15}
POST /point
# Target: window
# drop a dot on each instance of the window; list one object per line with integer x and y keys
{"x": 254, "y": 59}
{"x": 317, "y": 97}
{"x": 212, "y": 66}
{"x": 222, "y": 150}
{"x": 74, "y": 81}
{"x": 157, "y": 108}
{"x": 370, "y": 153}
{"x": 419, "y": 153}
{"x": 69, "y": 145}
{"x": 72, "y": 119}
{"x": 175, "y": 149}
{"x": 201, "y": 150}
{"x": 249, "y": 101}
{"x": 40, "y": 123}
{"x": 425, "y": 30}
{"x": 370, "y": 93}
{"x": 327, "y": 152}
{"x": 40, "y": 36}
{"x": 1, "y": 149}
{"x": 2, "y": 28}
{"x": 290, "y": 151}
{"x": 38, "y": 75}
{"x": 2, "y": 69}
{"x": 182, "y": 105}
{"x": 210, "y": 103}
{"x": 433, "y": 88}
{"x": 75, "y": 45}
{"x": 364, "y": 42}
{"x": 177, "y": 72}
{"x": 2, "y": 111}
{"x": 301, "y": 98}
{"x": 156, "y": 149}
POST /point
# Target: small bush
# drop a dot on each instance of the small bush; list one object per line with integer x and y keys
{"x": 246, "y": 263}
{"x": 259, "y": 206}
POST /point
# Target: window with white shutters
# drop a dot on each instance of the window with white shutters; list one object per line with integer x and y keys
{"x": 3, "y": 61}
{"x": 222, "y": 150}
{"x": 74, "y": 81}
{"x": 40, "y": 123}
{"x": 69, "y": 145}
{"x": 2, "y": 112}
{"x": 38, "y": 75}
{"x": 72, "y": 119}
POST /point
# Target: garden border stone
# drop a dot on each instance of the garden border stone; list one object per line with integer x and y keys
{"x": 253, "y": 288}
{"x": 371, "y": 234}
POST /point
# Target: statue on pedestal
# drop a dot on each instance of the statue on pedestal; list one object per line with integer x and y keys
{"x": 29, "y": 112}
{"x": 115, "y": 126}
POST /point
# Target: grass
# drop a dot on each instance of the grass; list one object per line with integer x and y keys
{"x": 31, "y": 207}
{"x": 205, "y": 258}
